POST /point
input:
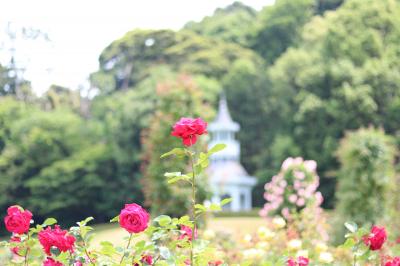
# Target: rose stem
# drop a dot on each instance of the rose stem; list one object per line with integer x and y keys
{"x": 193, "y": 206}
{"x": 27, "y": 251}
{"x": 127, "y": 246}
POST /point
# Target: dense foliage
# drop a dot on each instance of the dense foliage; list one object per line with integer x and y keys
{"x": 297, "y": 76}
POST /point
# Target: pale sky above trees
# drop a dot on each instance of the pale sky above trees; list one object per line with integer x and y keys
{"x": 79, "y": 30}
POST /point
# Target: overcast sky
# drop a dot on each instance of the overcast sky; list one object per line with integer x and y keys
{"x": 80, "y": 29}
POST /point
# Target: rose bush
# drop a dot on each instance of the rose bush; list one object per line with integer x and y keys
{"x": 165, "y": 240}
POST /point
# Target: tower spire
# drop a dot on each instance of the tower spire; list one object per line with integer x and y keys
{"x": 223, "y": 120}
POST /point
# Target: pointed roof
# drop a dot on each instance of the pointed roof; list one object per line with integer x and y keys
{"x": 223, "y": 121}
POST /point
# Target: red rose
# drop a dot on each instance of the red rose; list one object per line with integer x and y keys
{"x": 376, "y": 238}
{"x": 15, "y": 250}
{"x": 188, "y": 129}
{"x": 17, "y": 220}
{"x": 393, "y": 262}
{"x": 51, "y": 262}
{"x": 56, "y": 238}
{"x": 147, "y": 259}
{"x": 133, "y": 218}
{"x": 187, "y": 233}
{"x": 301, "y": 261}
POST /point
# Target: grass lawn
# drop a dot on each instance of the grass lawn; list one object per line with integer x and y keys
{"x": 237, "y": 226}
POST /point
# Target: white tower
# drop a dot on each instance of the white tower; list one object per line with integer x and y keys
{"x": 228, "y": 178}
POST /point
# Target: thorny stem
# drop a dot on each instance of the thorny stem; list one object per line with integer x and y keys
{"x": 127, "y": 246}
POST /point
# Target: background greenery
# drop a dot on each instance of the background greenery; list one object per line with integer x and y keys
{"x": 298, "y": 75}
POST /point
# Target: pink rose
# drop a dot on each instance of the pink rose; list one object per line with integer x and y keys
{"x": 301, "y": 261}
{"x": 133, "y": 218}
{"x": 292, "y": 198}
{"x": 51, "y": 262}
{"x": 299, "y": 175}
{"x": 17, "y": 220}
{"x": 187, "y": 233}
{"x": 188, "y": 129}
{"x": 376, "y": 238}
{"x": 300, "y": 202}
{"x": 291, "y": 262}
{"x": 56, "y": 238}
{"x": 287, "y": 163}
{"x": 393, "y": 262}
{"x": 310, "y": 165}
{"x": 285, "y": 212}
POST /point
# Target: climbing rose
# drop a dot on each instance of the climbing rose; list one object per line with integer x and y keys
{"x": 133, "y": 218}
{"x": 393, "y": 262}
{"x": 301, "y": 261}
{"x": 56, "y": 238}
{"x": 376, "y": 238}
{"x": 188, "y": 129}
{"x": 17, "y": 220}
{"x": 187, "y": 233}
{"x": 51, "y": 262}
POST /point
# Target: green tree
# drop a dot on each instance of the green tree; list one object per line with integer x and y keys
{"x": 129, "y": 60}
{"x": 227, "y": 24}
{"x": 279, "y": 27}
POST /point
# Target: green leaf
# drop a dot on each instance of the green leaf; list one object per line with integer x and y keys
{"x": 225, "y": 201}
{"x": 115, "y": 219}
{"x": 349, "y": 243}
{"x": 216, "y": 148}
{"x": 49, "y": 221}
{"x": 175, "y": 177}
{"x": 107, "y": 248}
{"x": 351, "y": 226}
{"x": 163, "y": 220}
{"x": 176, "y": 151}
{"x": 200, "y": 207}
{"x": 215, "y": 207}
{"x": 362, "y": 232}
{"x": 84, "y": 222}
